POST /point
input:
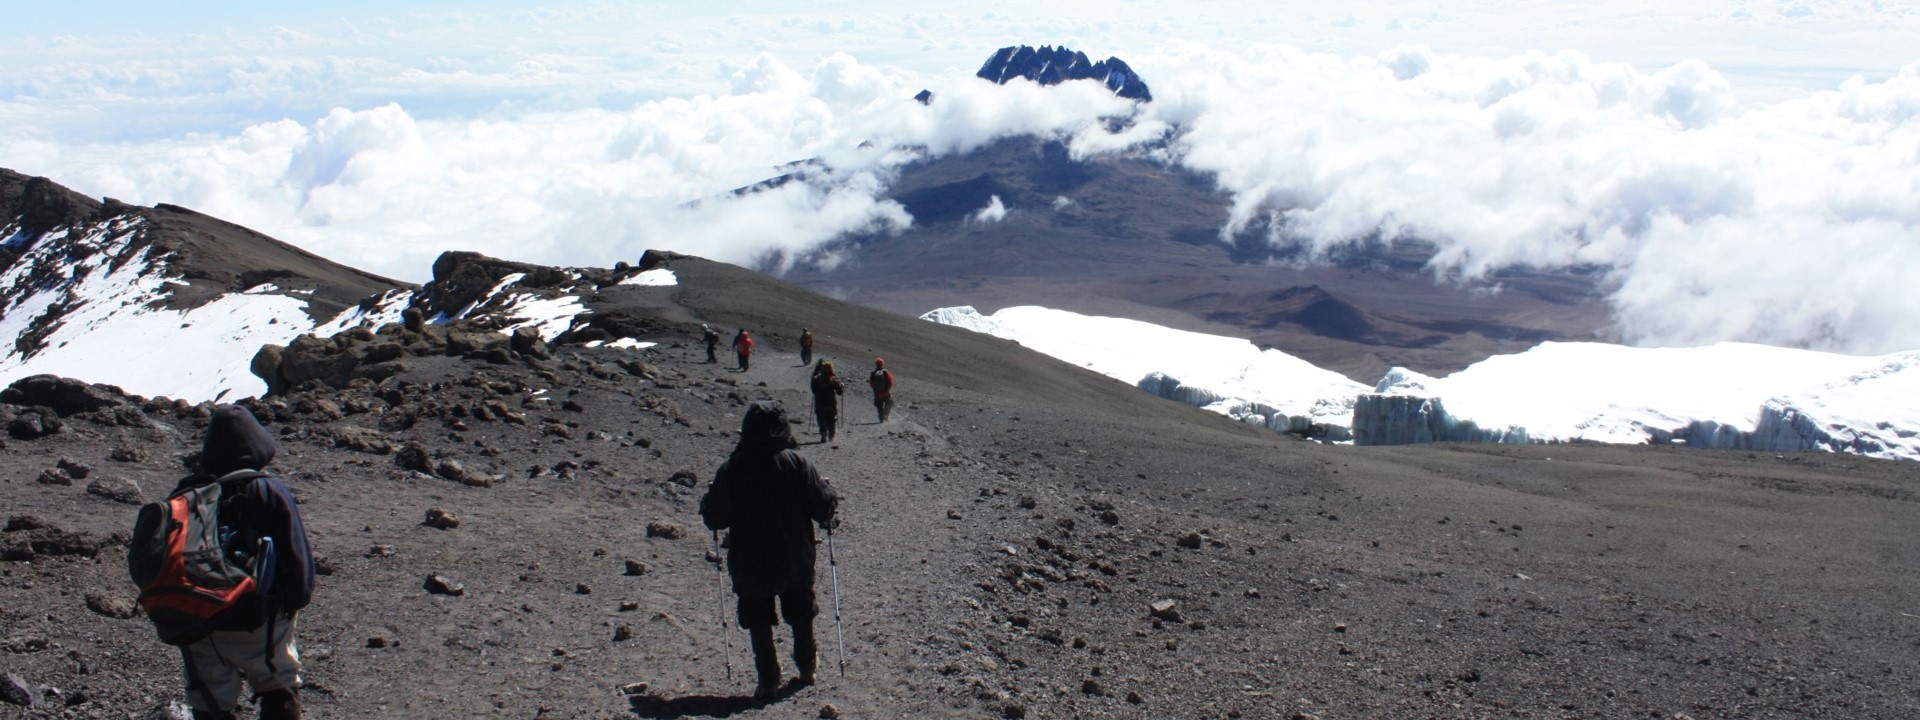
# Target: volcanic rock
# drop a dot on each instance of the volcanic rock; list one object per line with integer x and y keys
{"x": 112, "y": 606}
{"x": 442, "y": 585}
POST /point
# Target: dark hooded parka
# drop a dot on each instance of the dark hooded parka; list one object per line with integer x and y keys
{"x": 770, "y": 498}
{"x": 258, "y": 507}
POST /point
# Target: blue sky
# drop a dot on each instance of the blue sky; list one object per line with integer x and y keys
{"x": 1731, "y": 156}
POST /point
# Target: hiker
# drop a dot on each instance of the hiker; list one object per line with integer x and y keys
{"x": 253, "y": 638}
{"x": 713, "y": 343}
{"x": 771, "y": 498}
{"x": 882, "y": 383}
{"x": 827, "y": 390}
{"x": 743, "y": 347}
{"x": 806, "y": 346}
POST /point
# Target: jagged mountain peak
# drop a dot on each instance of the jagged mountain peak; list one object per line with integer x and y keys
{"x": 1049, "y": 65}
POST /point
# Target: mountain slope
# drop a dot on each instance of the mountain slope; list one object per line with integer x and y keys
{"x": 1134, "y": 238}
{"x": 1023, "y": 539}
{"x": 160, "y": 300}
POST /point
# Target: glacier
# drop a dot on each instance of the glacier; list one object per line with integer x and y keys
{"x": 1726, "y": 395}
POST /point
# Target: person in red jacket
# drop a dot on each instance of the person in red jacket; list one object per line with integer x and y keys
{"x": 882, "y": 383}
{"x": 743, "y": 347}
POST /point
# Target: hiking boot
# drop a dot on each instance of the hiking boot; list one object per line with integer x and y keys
{"x": 766, "y": 663}
{"x": 804, "y": 654}
{"x": 280, "y": 705}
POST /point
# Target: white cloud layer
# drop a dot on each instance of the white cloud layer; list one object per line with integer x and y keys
{"x": 1775, "y": 204}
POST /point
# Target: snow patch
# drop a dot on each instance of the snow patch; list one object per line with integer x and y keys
{"x": 112, "y": 333}
{"x": 654, "y": 277}
{"x": 1223, "y": 374}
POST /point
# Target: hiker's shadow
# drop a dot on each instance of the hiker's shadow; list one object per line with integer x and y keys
{"x": 652, "y": 706}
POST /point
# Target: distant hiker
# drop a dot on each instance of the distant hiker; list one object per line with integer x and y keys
{"x": 231, "y": 610}
{"x": 713, "y": 343}
{"x": 743, "y": 347}
{"x": 827, "y": 390}
{"x": 771, "y": 498}
{"x": 882, "y": 383}
{"x": 806, "y": 346}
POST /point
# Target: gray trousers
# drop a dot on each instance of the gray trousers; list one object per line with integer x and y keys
{"x": 215, "y": 665}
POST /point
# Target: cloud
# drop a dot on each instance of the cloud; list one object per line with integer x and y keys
{"x": 994, "y": 212}
{"x": 1717, "y": 222}
{"x": 1720, "y": 205}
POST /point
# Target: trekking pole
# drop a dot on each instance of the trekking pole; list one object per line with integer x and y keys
{"x": 840, "y": 635}
{"x": 721, "y": 596}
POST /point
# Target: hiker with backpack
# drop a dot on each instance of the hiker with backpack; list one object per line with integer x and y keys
{"x": 806, "y": 346}
{"x": 770, "y": 497}
{"x": 712, "y": 338}
{"x": 224, "y": 567}
{"x": 882, "y": 383}
{"x": 743, "y": 347}
{"x": 827, "y": 390}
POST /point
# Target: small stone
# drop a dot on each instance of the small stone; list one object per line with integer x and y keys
{"x": 380, "y": 639}
{"x": 1253, "y": 593}
{"x": 27, "y": 522}
{"x": 111, "y": 606}
{"x": 664, "y": 529}
{"x": 1167, "y": 610}
{"x": 829, "y": 712}
{"x": 73, "y": 469}
{"x": 54, "y": 476}
{"x": 1190, "y": 541}
{"x": 629, "y": 605}
{"x": 953, "y": 514}
{"x": 684, "y": 478}
{"x": 1013, "y": 710}
{"x": 582, "y": 589}
{"x": 1340, "y": 627}
{"x": 638, "y": 688}
{"x": 441, "y": 585}
{"x": 1027, "y": 502}
{"x": 1110, "y": 517}
{"x": 14, "y": 691}
{"x": 1091, "y": 687}
{"x": 117, "y": 490}
{"x": 623, "y": 633}
{"x": 384, "y": 551}
{"x": 636, "y": 568}
{"x": 1133, "y": 696}
{"x": 438, "y": 518}
{"x": 22, "y": 644}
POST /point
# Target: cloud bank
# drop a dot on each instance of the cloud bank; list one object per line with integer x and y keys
{"x": 1793, "y": 221}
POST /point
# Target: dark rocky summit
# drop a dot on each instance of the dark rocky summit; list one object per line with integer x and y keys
{"x": 1048, "y": 65}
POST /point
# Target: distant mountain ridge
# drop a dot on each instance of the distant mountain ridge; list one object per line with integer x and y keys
{"x": 1048, "y": 65}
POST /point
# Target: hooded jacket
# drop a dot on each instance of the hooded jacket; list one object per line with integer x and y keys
{"x": 262, "y": 506}
{"x": 770, "y": 497}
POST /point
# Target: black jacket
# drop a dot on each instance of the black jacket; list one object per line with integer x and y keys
{"x": 263, "y": 506}
{"x": 827, "y": 390}
{"x": 770, "y": 497}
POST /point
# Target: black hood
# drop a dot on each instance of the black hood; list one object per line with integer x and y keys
{"x": 235, "y": 441}
{"x": 765, "y": 428}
